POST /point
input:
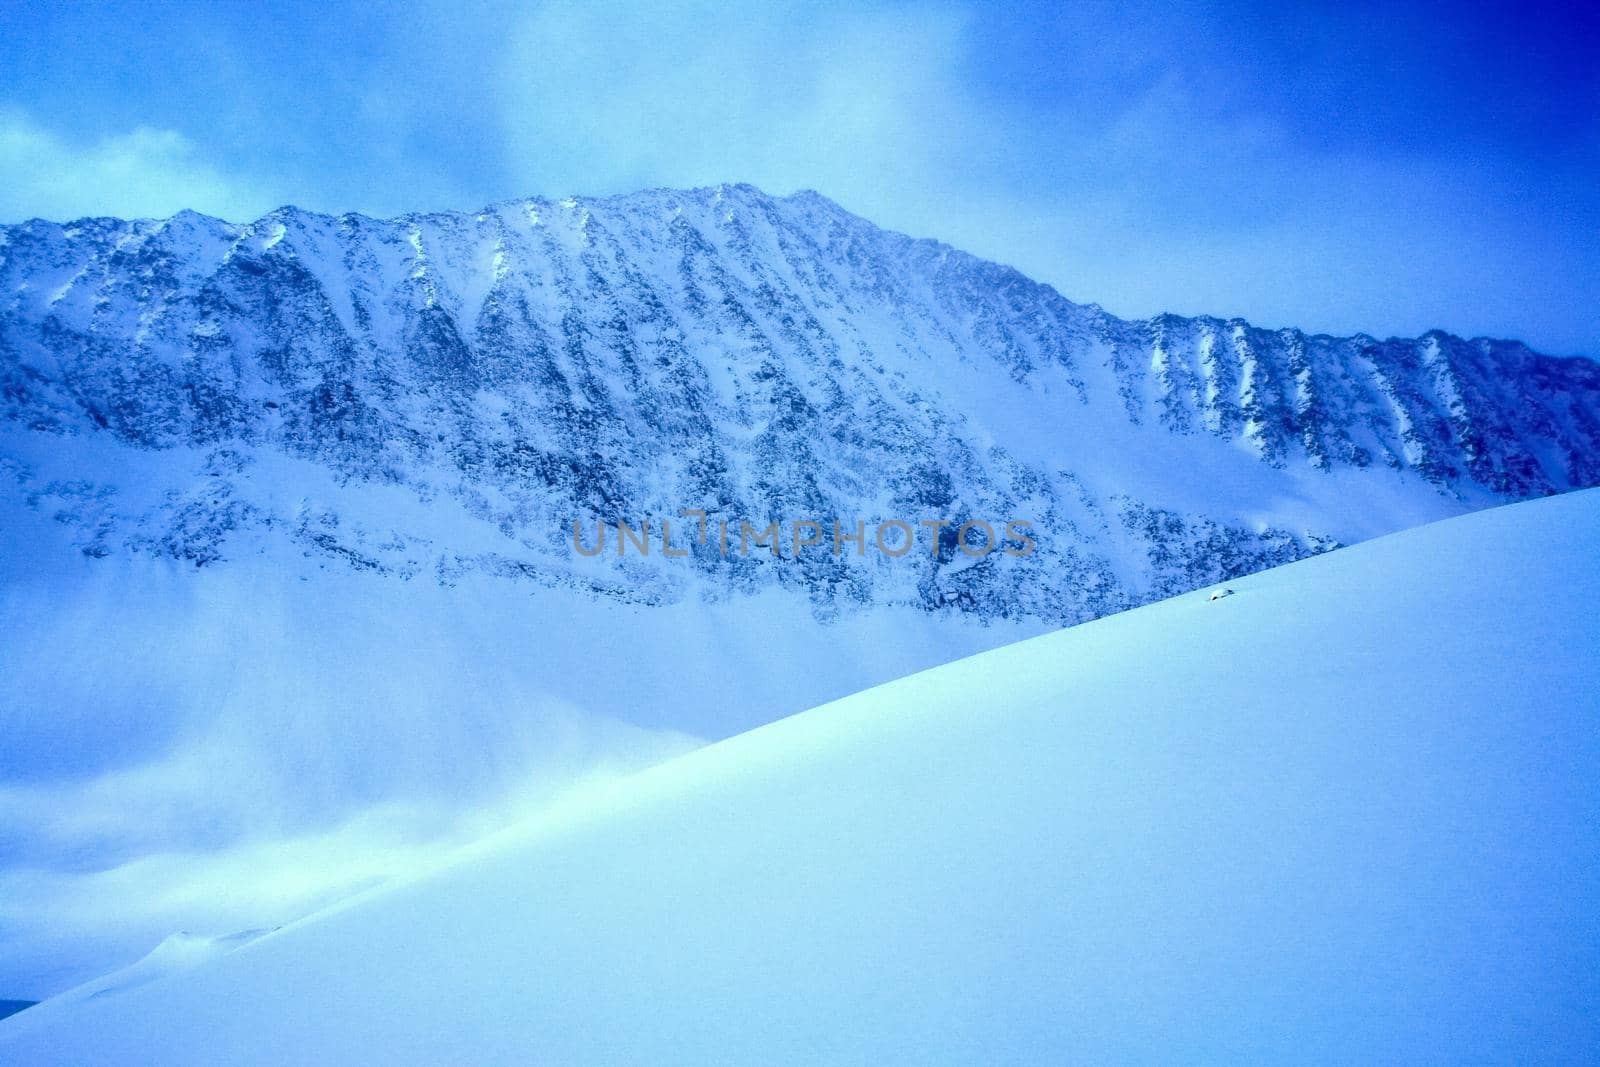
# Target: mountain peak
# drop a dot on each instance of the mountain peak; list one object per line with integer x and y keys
{"x": 625, "y": 357}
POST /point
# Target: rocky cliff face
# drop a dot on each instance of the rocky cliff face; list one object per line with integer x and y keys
{"x": 449, "y": 392}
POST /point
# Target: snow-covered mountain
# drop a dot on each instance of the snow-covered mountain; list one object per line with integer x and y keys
{"x": 1350, "y": 819}
{"x": 444, "y": 393}
{"x": 288, "y": 596}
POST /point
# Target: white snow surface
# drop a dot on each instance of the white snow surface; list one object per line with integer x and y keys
{"x": 1350, "y": 813}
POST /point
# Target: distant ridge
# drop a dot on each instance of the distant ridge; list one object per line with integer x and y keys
{"x": 540, "y": 361}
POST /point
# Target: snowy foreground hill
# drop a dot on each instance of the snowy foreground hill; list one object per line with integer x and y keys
{"x": 1349, "y": 813}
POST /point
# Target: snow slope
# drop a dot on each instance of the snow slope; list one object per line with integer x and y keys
{"x": 1350, "y": 813}
{"x": 237, "y": 746}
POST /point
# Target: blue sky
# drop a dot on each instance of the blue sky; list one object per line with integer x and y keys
{"x": 1388, "y": 168}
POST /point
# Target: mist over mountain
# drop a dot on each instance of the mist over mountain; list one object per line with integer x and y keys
{"x": 444, "y": 393}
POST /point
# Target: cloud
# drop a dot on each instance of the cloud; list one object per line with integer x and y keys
{"x": 601, "y": 100}
{"x": 146, "y": 172}
{"x": 1125, "y": 161}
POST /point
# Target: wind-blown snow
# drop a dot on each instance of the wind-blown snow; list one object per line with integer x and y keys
{"x": 236, "y": 746}
{"x": 1347, "y": 814}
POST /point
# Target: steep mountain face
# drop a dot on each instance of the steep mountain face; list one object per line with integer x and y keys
{"x": 441, "y": 394}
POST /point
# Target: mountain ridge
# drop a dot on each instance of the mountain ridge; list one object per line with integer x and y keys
{"x": 805, "y": 194}
{"x": 543, "y": 361}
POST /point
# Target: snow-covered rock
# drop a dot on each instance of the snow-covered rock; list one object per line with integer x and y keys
{"x": 441, "y": 393}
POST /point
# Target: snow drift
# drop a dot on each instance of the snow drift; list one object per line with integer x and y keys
{"x": 1348, "y": 813}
